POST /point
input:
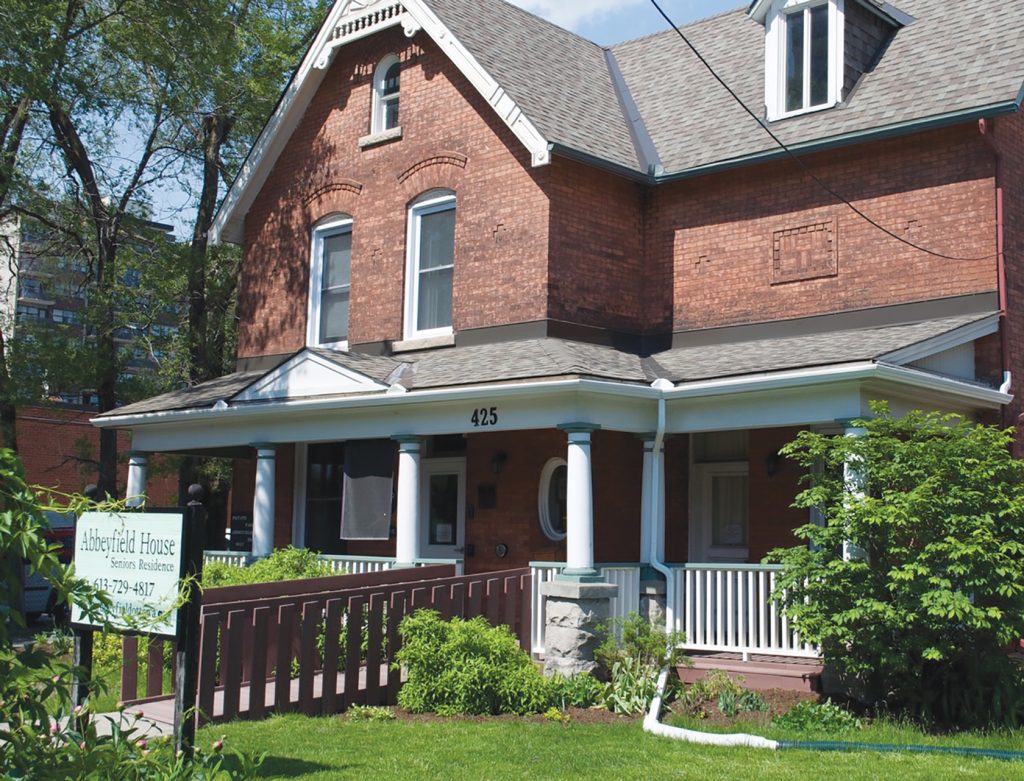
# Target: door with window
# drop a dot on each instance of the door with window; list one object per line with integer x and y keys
{"x": 443, "y": 508}
{"x": 719, "y": 530}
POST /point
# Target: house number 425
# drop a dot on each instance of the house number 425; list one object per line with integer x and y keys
{"x": 485, "y": 416}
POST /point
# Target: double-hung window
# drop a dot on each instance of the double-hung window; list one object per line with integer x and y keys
{"x": 431, "y": 263}
{"x": 330, "y": 283}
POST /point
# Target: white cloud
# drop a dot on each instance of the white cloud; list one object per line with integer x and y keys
{"x": 572, "y": 13}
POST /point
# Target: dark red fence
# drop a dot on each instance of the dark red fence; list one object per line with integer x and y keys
{"x": 320, "y": 646}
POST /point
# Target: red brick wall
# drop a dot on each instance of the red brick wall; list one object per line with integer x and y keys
{"x": 677, "y": 497}
{"x": 772, "y": 520}
{"x": 502, "y": 213}
{"x": 596, "y": 254}
{"x": 49, "y": 442}
{"x": 934, "y": 189}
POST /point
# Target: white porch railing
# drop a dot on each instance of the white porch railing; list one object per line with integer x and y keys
{"x": 351, "y": 565}
{"x": 625, "y": 576}
{"x": 728, "y": 607}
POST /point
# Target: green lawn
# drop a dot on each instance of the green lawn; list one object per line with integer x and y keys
{"x": 303, "y": 748}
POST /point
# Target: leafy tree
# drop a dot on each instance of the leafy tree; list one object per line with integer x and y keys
{"x": 921, "y": 621}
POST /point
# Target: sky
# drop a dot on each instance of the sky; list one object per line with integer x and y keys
{"x": 612, "y": 21}
{"x": 603, "y": 21}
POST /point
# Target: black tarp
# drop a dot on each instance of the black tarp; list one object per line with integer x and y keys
{"x": 369, "y": 484}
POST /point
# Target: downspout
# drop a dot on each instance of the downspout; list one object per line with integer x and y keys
{"x": 985, "y": 128}
{"x": 657, "y": 521}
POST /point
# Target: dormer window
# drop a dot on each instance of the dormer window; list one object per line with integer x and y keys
{"x": 386, "y": 84}
{"x": 803, "y": 55}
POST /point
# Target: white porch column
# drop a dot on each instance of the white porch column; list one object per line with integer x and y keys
{"x": 853, "y": 476}
{"x": 263, "y": 500}
{"x": 407, "y": 541}
{"x": 135, "y": 495}
{"x": 579, "y": 503}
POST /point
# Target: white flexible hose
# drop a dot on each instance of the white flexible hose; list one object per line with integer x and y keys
{"x": 655, "y": 727}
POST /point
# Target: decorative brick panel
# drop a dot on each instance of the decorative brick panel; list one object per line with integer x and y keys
{"x": 807, "y": 252}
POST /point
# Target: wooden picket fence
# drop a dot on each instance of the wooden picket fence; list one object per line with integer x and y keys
{"x": 320, "y": 646}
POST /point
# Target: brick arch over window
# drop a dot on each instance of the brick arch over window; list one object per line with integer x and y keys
{"x": 443, "y": 171}
{"x": 339, "y": 197}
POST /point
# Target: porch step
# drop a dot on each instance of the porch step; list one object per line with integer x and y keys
{"x": 760, "y": 671}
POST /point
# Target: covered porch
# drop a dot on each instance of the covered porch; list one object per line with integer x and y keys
{"x": 566, "y": 458}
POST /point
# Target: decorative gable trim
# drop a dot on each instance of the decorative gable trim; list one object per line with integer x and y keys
{"x": 350, "y": 20}
{"x": 308, "y": 375}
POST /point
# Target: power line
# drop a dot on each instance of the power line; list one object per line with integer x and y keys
{"x": 796, "y": 158}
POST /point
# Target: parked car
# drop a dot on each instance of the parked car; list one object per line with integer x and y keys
{"x": 38, "y": 597}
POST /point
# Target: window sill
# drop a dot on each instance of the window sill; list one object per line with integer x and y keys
{"x": 375, "y": 139}
{"x": 428, "y": 343}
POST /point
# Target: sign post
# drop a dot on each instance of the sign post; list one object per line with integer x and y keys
{"x": 186, "y": 679}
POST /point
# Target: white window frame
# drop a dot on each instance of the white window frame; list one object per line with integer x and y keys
{"x": 378, "y": 123}
{"x": 775, "y": 56}
{"x": 331, "y": 226}
{"x": 543, "y": 516}
{"x": 430, "y": 203}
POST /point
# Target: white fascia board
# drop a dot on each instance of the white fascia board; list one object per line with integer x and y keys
{"x": 864, "y": 370}
{"x": 758, "y": 10}
{"x": 943, "y": 342}
{"x": 228, "y": 223}
{"x": 475, "y": 392}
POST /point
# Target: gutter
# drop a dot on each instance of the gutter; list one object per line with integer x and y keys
{"x": 661, "y": 386}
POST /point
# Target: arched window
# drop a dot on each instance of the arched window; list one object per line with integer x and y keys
{"x": 330, "y": 282}
{"x": 551, "y": 499}
{"x": 386, "y": 84}
{"x": 431, "y": 265}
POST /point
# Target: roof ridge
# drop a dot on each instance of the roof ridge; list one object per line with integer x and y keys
{"x": 546, "y": 22}
{"x": 687, "y": 26}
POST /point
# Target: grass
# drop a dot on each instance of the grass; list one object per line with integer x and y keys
{"x": 302, "y": 748}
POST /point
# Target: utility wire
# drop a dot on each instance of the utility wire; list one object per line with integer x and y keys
{"x": 796, "y": 158}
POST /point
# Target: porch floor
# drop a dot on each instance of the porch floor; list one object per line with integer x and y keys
{"x": 759, "y": 671}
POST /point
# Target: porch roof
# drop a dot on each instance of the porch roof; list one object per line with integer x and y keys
{"x": 698, "y": 356}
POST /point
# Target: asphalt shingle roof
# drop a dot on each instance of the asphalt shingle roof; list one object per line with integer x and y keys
{"x": 557, "y": 358}
{"x": 560, "y": 80}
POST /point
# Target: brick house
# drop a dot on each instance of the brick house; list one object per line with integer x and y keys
{"x": 512, "y": 297}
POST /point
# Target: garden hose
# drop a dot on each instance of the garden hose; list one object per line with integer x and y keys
{"x": 655, "y": 727}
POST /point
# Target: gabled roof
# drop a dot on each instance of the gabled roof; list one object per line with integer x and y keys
{"x": 648, "y": 108}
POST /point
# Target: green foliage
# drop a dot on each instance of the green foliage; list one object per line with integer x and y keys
{"x": 283, "y": 564}
{"x": 719, "y": 689}
{"x": 810, "y": 716}
{"x": 370, "y": 713}
{"x": 41, "y": 735}
{"x": 556, "y": 715}
{"x": 920, "y": 621}
{"x": 467, "y": 667}
{"x": 634, "y": 653}
{"x": 577, "y": 691}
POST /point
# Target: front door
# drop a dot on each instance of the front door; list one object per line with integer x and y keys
{"x": 443, "y": 508}
{"x": 719, "y": 526}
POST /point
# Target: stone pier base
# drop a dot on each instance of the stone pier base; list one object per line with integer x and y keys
{"x": 652, "y": 601}
{"x": 574, "y": 611}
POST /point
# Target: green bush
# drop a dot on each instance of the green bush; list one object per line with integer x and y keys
{"x": 283, "y": 564}
{"x": 719, "y": 689}
{"x": 809, "y": 716}
{"x": 370, "y": 713}
{"x": 633, "y": 654}
{"x": 468, "y": 667}
{"x": 919, "y": 619}
{"x": 577, "y": 691}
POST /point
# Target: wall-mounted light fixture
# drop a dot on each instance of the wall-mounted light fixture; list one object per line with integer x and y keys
{"x": 498, "y": 461}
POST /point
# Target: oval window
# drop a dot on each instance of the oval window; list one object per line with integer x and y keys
{"x": 551, "y": 502}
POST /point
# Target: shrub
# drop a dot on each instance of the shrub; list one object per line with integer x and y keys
{"x": 467, "y": 667}
{"x": 809, "y": 716}
{"x": 633, "y": 654}
{"x": 370, "y": 713}
{"x": 723, "y": 691}
{"x": 283, "y": 564}
{"x": 920, "y": 621}
{"x": 577, "y": 691}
